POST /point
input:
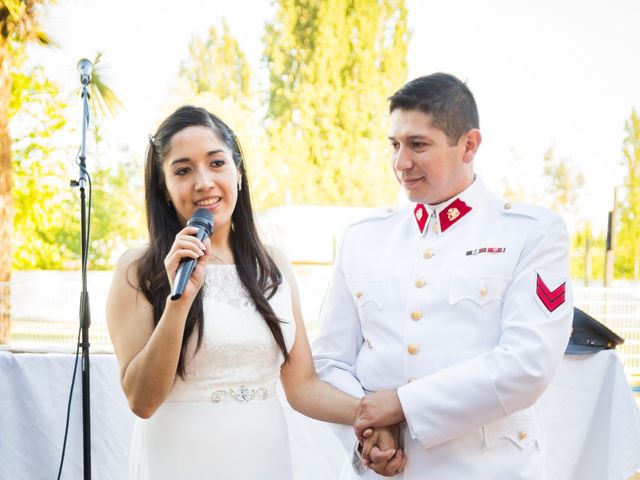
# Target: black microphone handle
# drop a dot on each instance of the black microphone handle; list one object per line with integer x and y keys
{"x": 185, "y": 269}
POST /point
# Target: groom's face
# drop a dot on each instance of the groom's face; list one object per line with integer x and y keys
{"x": 429, "y": 166}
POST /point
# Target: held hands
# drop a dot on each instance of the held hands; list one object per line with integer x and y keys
{"x": 378, "y": 409}
{"x": 381, "y": 452}
{"x": 376, "y": 426}
{"x": 186, "y": 246}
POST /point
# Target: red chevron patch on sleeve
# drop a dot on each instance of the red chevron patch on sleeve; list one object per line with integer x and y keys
{"x": 551, "y": 299}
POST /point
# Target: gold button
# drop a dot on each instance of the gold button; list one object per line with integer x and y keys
{"x": 420, "y": 283}
{"x": 436, "y": 228}
{"x": 428, "y": 254}
{"x": 522, "y": 435}
{"x": 507, "y": 206}
{"x": 358, "y": 294}
{"x": 412, "y": 379}
{"x": 484, "y": 291}
{"x": 369, "y": 344}
{"x": 416, "y": 315}
{"x": 413, "y": 348}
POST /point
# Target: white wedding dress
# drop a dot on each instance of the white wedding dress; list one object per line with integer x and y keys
{"x": 224, "y": 420}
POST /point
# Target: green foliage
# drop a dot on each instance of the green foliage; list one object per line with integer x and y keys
{"x": 586, "y": 262}
{"x": 19, "y": 24}
{"x": 332, "y": 65}
{"x": 217, "y": 65}
{"x": 47, "y": 211}
{"x": 41, "y": 192}
{"x": 117, "y": 218}
{"x": 564, "y": 181}
{"x": 627, "y": 262}
{"x": 216, "y": 75}
{"x": 102, "y": 99}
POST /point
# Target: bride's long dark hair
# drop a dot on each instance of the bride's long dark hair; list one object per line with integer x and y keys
{"x": 256, "y": 269}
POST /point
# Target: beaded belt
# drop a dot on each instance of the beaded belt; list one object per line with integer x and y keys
{"x": 240, "y": 393}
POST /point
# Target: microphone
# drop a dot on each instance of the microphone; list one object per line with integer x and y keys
{"x": 203, "y": 220}
{"x": 85, "y": 67}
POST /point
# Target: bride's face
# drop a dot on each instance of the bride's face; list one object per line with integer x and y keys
{"x": 200, "y": 173}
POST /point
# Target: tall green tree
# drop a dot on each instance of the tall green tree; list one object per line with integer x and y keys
{"x": 217, "y": 75}
{"x": 18, "y": 26}
{"x": 40, "y": 160}
{"x": 47, "y": 220}
{"x": 47, "y": 217}
{"x": 117, "y": 218}
{"x": 628, "y": 241}
{"x": 117, "y": 210}
{"x": 587, "y": 253}
{"x": 564, "y": 181}
{"x": 217, "y": 65}
{"x": 332, "y": 65}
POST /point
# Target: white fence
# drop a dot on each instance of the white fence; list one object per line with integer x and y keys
{"x": 44, "y": 308}
{"x": 618, "y": 309}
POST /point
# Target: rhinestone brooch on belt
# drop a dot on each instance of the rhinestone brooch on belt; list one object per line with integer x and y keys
{"x": 241, "y": 394}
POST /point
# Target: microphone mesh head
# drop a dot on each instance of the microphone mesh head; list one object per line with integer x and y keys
{"x": 202, "y": 218}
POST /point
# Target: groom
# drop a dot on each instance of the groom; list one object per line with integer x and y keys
{"x": 448, "y": 316}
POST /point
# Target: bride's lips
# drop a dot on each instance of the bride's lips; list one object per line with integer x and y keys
{"x": 210, "y": 203}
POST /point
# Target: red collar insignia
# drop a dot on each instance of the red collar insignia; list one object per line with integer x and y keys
{"x": 421, "y": 215}
{"x": 452, "y": 214}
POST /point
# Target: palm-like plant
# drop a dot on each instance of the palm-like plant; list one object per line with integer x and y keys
{"x": 102, "y": 98}
{"x": 18, "y": 26}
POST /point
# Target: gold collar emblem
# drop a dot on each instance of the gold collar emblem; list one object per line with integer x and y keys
{"x": 419, "y": 214}
{"x": 453, "y": 213}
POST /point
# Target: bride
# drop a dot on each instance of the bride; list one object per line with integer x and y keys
{"x": 200, "y": 372}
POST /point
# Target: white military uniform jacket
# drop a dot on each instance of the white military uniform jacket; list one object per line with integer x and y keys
{"x": 464, "y": 308}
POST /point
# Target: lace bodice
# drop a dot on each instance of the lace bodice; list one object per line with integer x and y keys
{"x": 237, "y": 346}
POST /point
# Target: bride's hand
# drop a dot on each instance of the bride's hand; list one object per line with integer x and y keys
{"x": 187, "y": 246}
{"x": 381, "y": 451}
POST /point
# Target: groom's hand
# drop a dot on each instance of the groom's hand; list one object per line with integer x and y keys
{"x": 380, "y": 451}
{"x": 379, "y": 409}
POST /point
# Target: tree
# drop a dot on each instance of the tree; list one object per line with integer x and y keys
{"x": 217, "y": 65}
{"x": 117, "y": 211}
{"x": 516, "y": 182}
{"x": 41, "y": 194}
{"x": 564, "y": 182}
{"x": 18, "y": 26}
{"x": 332, "y": 66}
{"x": 216, "y": 75}
{"x": 628, "y": 241}
{"x": 587, "y": 253}
{"x": 47, "y": 217}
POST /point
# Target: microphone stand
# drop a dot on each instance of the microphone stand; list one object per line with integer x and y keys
{"x": 85, "y": 315}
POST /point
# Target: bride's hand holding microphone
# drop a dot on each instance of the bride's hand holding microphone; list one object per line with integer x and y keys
{"x": 189, "y": 255}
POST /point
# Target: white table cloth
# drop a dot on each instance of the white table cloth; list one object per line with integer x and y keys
{"x": 592, "y": 422}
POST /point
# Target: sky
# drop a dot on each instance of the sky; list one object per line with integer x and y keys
{"x": 561, "y": 73}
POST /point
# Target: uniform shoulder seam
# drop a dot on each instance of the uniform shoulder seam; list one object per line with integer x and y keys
{"x": 376, "y": 214}
{"x": 525, "y": 209}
